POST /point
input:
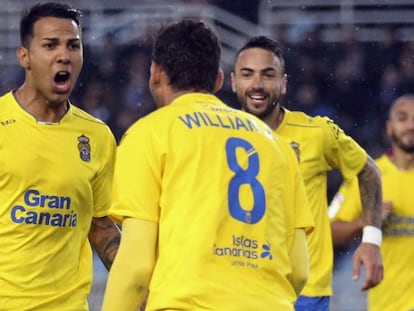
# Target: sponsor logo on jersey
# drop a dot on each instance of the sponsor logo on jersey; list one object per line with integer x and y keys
{"x": 244, "y": 251}
{"x": 7, "y": 122}
{"x": 44, "y": 209}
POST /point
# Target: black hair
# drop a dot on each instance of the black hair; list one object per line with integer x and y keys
{"x": 265, "y": 43}
{"x": 189, "y": 52}
{"x": 48, "y": 9}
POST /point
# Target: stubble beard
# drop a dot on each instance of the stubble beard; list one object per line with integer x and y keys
{"x": 408, "y": 148}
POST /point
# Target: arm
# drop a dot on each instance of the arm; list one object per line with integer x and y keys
{"x": 369, "y": 254}
{"x": 130, "y": 275}
{"x": 344, "y": 231}
{"x": 370, "y": 190}
{"x": 300, "y": 261}
{"x": 104, "y": 237}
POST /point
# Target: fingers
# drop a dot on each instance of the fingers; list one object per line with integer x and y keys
{"x": 369, "y": 256}
{"x": 356, "y": 267}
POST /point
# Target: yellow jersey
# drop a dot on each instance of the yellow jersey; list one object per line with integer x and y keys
{"x": 54, "y": 178}
{"x": 395, "y": 290}
{"x": 217, "y": 183}
{"x": 320, "y": 146}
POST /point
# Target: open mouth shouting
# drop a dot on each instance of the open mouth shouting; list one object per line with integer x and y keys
{"x": 61, "y": 82}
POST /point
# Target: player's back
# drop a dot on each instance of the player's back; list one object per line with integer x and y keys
{"x": 222, "y": 231}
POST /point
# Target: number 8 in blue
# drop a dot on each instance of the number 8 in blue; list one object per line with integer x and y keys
{"x": 244, "y": 177}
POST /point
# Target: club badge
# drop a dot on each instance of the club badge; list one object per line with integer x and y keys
{"x": 84, "y": 148}
{"x": 295, "y": 147}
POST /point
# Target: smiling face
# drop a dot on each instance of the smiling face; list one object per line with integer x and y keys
{"x": 53, "y": 59}
{"x": 400, "y": 126}
{"x": 259, "y": 81}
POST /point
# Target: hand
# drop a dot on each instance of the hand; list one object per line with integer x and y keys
{"x": 386, "y": 210}
{"x": 369, "y": 255}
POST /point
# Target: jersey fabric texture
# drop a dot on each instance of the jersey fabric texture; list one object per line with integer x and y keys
{"x": 395, "y": 290}
{"x": 320, "y": 146}
{"x": 221, "y": 213}
{"x": 54, "y": 178}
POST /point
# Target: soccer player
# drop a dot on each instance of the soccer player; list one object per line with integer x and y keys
{"x": 397, "y": 174}
{"x": 205, "y": 194}
{"x": 56, "y": 173}
{"x": 259, "y": 80}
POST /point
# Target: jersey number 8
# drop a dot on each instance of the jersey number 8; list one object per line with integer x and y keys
{"x": 244, "y": 177}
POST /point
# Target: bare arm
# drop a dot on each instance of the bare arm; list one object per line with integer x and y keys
{"x": 104, "y": 237}
{"x": 344, "y": 231}
{"x": 368, "y": 254}
{"x": 370, "y": 189}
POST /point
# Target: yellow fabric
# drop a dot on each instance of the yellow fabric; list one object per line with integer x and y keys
{"x": 210, "y": 256}
{"x": 53, "y": 179}
{"x": 321, "y": 146}
{"x": 395, "y": 290}
{"x": 300, "y": 260}
{"x": 137, "y": 246}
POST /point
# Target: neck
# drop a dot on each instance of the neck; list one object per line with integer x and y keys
{"x": 39, "y": 107}
{"x": 274, "y": 119}
{"x": 401, "y": 159}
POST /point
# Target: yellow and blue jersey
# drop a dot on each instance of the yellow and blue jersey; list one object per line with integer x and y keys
{"x": 395, "y": 290}
{"x": 320, "y": 146}
{"x": 54, "y": 178}
{"x": 217, "y": 183}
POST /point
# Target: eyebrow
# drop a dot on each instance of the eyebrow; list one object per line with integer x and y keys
{"x": 262, "y": 70}
{"x": 53, "y": 39}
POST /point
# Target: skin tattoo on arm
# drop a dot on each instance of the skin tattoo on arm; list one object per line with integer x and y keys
{"x": 104, "y": 237}
{"x": 371, "y": 193}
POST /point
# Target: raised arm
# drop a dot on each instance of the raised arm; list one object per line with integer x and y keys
{"x": 104, "y": 237}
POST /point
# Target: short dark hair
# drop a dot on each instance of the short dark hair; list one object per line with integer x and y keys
{"x": 265, "y": 43}
{"x": 48, "y": 9}
{"x": 189, "y": 52}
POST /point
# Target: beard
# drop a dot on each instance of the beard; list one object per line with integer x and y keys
{"x": 408, "y": 148}
{"x": 260, "y": 114}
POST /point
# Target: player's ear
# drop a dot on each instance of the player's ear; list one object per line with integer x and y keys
{"x": 155, "y": 71}
{"x": 23, "y": 56}
{"x": 219, "y": 81}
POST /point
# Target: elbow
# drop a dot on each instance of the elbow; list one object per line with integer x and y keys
{"x": 299, "y": 279}
{"x": 142, "y": 277}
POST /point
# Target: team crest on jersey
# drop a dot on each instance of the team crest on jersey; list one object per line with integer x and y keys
{"x": 84, "y": 148}
{"x": 295, "y": 146}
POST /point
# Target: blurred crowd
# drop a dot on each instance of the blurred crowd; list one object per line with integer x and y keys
{"x": 352, "y": 82}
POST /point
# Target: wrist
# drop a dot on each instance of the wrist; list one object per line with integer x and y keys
{"x": 372, "y": 235}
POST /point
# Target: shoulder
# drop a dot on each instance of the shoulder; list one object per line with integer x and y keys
{"x": 302, "y": 119}
{"x": 6, "y": 99}
{"x": 87, "y": 120}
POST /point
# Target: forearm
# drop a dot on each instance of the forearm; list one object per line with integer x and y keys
{"x": 104, "y": 237}
{"x": 130, "y": 275}
{"x": 371, "y": 194}
{"x": 300, "y": 261}
{"x": 345, "y": 231}
{"x": 125, "y": 290}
